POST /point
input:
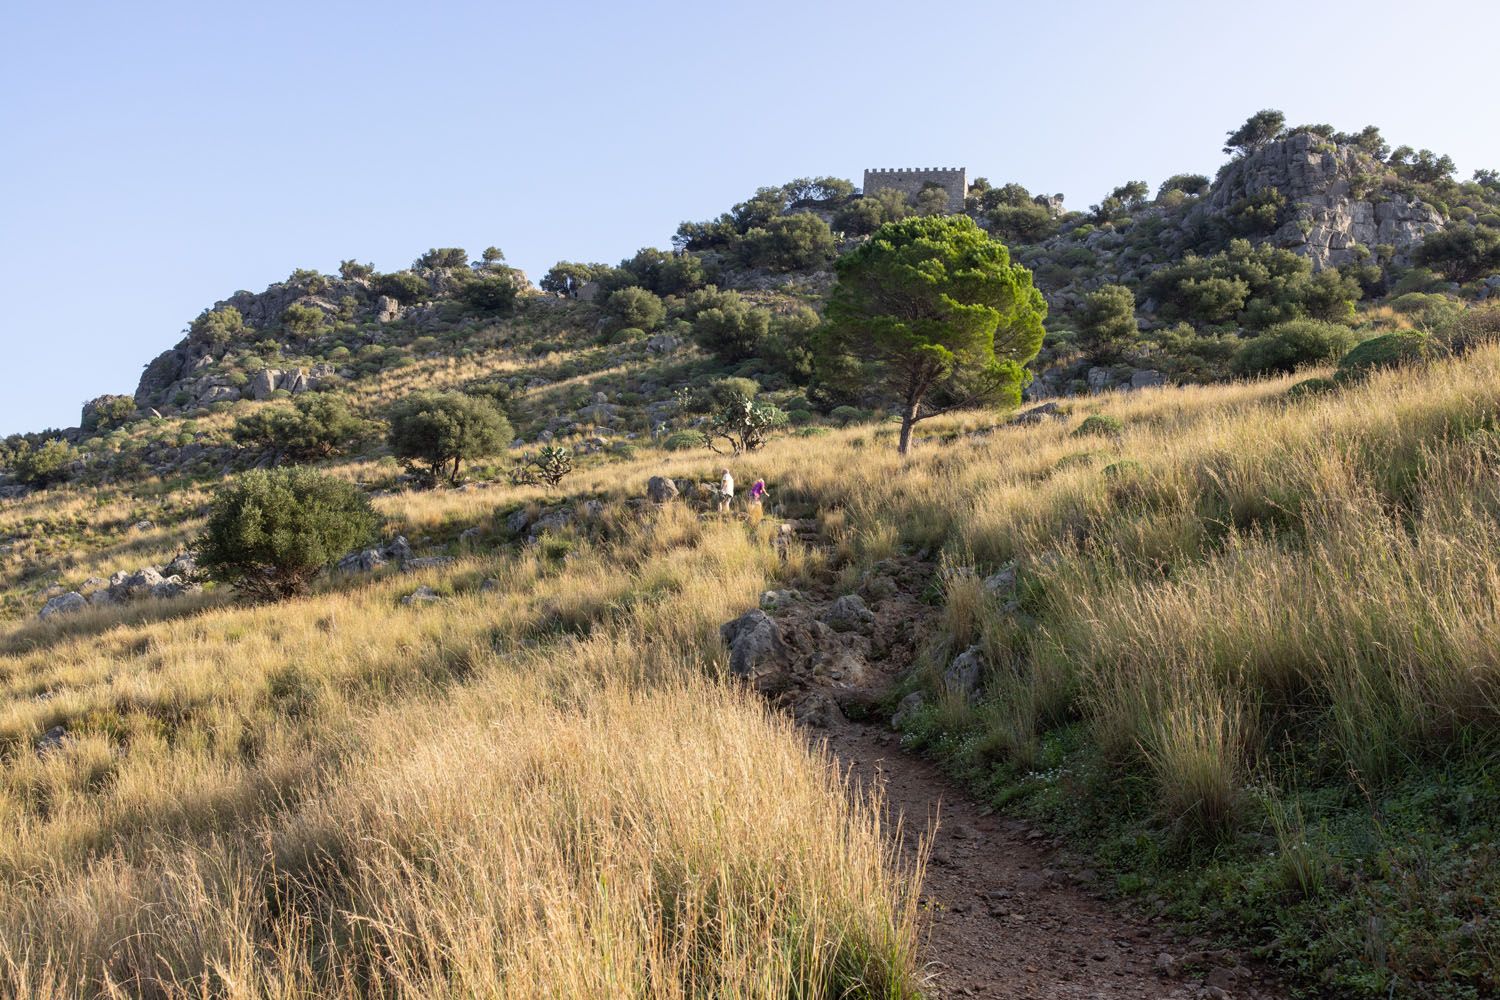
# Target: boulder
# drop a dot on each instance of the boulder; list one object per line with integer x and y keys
{"x": 172, "y": 586}
{"x": 1145, "y": 378}
{"x": 771, "y": 600}
{"x": 133, "y": 586}
{"x": 1037, "y": 414}
{"x": 756, "y": 648}
{"x": 663, "y": 343}
{"x": 425, "y": 562}
{"x": 366, "y": 561}
{"x": 185, "y": 566}
{"x": 907, "y": 707}
{"x": 387, "y": 309}
{"x": 422, "y": 595}
{"x": 470, "y": 536}
{"x": 849, "y": 614}
{"x": 398, "y": 549}
{"x": 63, "y": 604}
{"x": 265, "y": 382}
{"x": 963, "y": 674}
{"x": 1002, "y": 582}
{"x": 53, "y": 740}
{"x": 220, "y": 394}
{"x": 518, "y": 521}
{"x": 660, "y": 489}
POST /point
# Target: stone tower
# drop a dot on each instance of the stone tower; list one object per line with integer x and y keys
{"x": 911, "y": 180}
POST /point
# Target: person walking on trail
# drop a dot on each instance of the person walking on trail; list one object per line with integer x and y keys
{"x": 726, "y": 492}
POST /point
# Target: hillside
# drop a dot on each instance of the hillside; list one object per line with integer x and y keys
{"x": 1206, "y": 632}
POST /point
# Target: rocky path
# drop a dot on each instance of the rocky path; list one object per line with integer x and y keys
{"x": 1005, "y": 917}
{"x": 1005, "y": 920}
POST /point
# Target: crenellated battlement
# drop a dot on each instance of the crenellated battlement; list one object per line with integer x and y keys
{"x": 911, "y": 180}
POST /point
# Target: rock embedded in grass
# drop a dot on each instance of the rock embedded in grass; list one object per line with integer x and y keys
{"x": 63, "y": 604}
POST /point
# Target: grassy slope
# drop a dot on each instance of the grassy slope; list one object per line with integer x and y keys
{"x": 1251, "y": 664}
{"x": 481, "y": 797}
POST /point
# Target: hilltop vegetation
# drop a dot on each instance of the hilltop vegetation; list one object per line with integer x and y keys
{"x": 1232, "y": 636}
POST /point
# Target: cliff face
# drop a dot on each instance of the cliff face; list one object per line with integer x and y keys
{"x": 1337, "y": 197}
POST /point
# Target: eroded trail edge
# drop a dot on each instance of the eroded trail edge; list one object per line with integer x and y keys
{"x": 1005, "y": 913}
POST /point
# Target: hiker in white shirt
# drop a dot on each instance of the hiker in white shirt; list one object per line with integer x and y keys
{"x": 726, "y": 492}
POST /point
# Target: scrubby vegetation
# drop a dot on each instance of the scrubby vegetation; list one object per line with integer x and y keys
{"x": 1235, "y": 632}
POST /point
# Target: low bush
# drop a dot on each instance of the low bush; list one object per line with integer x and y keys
{"x": 270, "y": 533}
{"x": 1391, "y": 350}
{"x": 1288, "y": 346}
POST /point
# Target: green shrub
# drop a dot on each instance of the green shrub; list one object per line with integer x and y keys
{"x": 318, "y": 426}
{"x": 491, "y": 294}
{"x": 1311, "y": 387}
{"x": 684, "y": 441}
{"x": 846, "y": 415}
{"x": 44, "y": 464}
{"x": 635, "y": 306}
{"x": 271, "y": 532}
{"x": 1101, "y": 424}
{"x": 107, "y": 412}
{"x": 1288, "y": 346}
{"x": 1392, "y": 350}
{"x": 435, "y": 430}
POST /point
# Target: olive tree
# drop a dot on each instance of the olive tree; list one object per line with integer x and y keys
{"x": 437, "y": 432}
{"x": 270, "y": 533}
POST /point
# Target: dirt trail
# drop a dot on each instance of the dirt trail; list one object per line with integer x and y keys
{"x": 1003, "y": 919}
{"x": 1004, "y": 916}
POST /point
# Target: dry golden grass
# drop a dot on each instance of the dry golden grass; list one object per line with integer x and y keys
{"x": 538, "y": 790}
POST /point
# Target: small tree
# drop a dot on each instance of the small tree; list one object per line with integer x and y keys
{"x": 1259, "y": 129}
{"x": 403, "y": 286}
{"x": 352, "y": 270}
{"x": 105, "y": 413}
{"x": 43, "y": 464}
{"x": 302, "y": 321}
{"x": 270, "y": 533}
{"x": 742, "y": 422}
{"x": 1107, "y": 325}
{"x": 1288, "y": 346}
{"x": 437, "y": 432}
{"x": 635, "y": 307}
{"x": 490, "y": 257}
{"x": 215, "y": 328}
{"x": 551, "y": 465}
{"x": 317, "y": 426}
{"x": 933, "y": 311}
{"x": 1461, "y": 253}
{"x": 442, "y": 257}
{"x": 493, "y": 294}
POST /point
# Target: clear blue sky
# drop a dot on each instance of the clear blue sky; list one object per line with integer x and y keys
{"x": 159, "y": 156}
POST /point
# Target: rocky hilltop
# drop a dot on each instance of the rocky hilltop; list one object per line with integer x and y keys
{"x": 1337, "y": 198}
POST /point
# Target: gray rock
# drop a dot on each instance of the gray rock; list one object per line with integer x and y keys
{"x": 172, "y": 586}
{"x": 398, "y": 549}
{"x": 470, "y": 536}
{"x": 756, "y": 648}
{"x": 849, "y": 614}
{"x": 366, "y": 561}
{"x": 551, "y": 523}
{"x": 265, "y": 382}
{"x": 185, "y": 566}
{"x": 518, "y": 521}
{"x": 53, "y": 740}
{"x": 63, "y": 604}
{"x": 1037, "y": 414}
{"x": 660, "y": 489}
{"x": 422, "y": 595}
{"x": 663, "y": 343}
{"x": 907, "y": 707}
{"x": 1145, "y": 378}
{"x": 771, "y": 600}
{"x": 425, "y": 562}
{"x": 387, "y": 309}
{"x": 489, "y": 586}
{"x": 134, "y": 586}
{"x": 963, "y": 674}
{"x": 220, "y": 394}
{"x": 1002, "y": 582}
{"x": 592, "y": 509}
